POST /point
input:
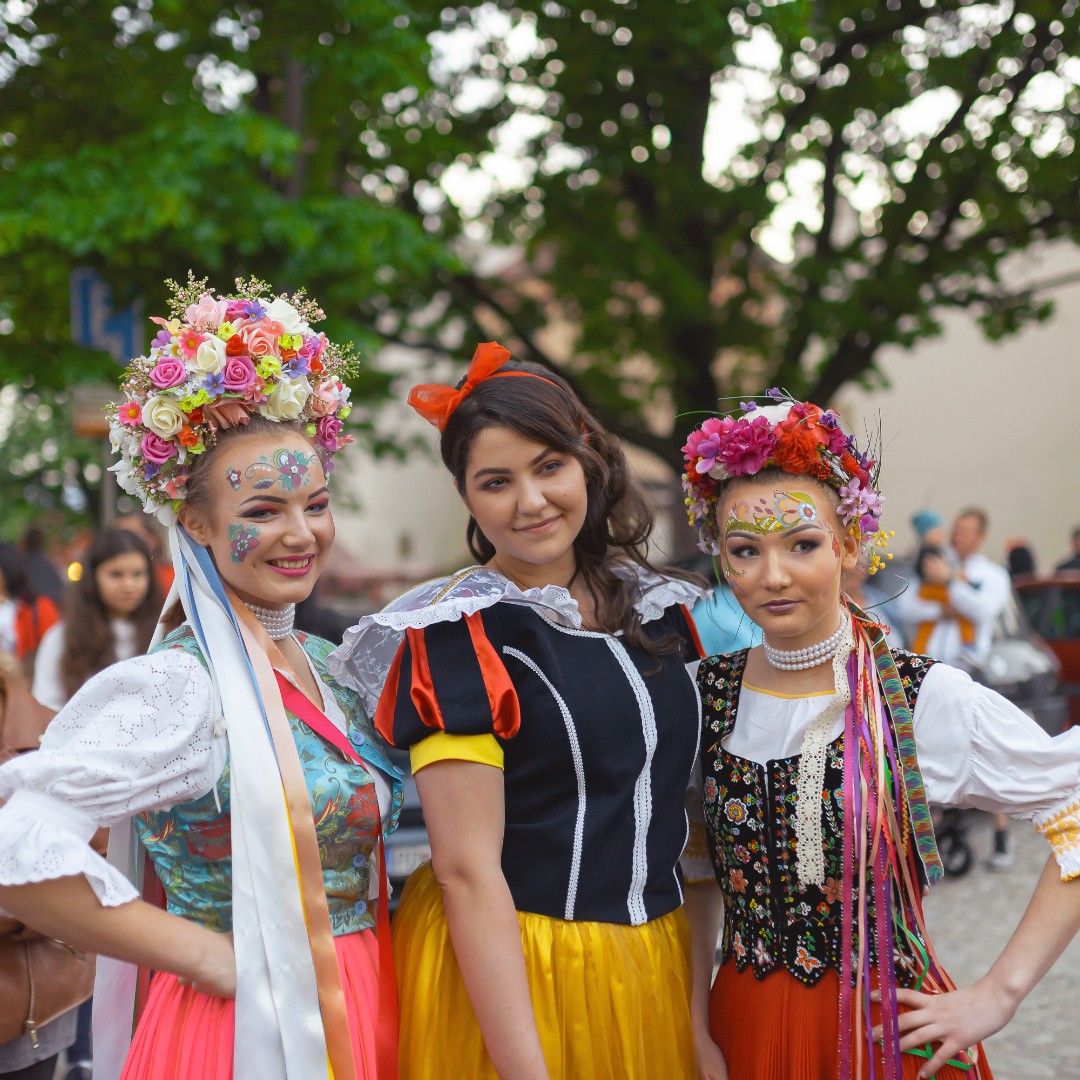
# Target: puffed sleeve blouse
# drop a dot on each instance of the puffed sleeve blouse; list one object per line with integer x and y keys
{"x": 596, "y": 738}
{"x": 975, "y": 749}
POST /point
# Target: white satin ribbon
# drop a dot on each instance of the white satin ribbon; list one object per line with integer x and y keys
{"x": 279, "y": 1030}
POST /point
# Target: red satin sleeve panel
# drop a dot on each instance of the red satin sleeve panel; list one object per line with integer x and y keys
{"x": 447, "y": 677}
{"x": 692, "y": 628}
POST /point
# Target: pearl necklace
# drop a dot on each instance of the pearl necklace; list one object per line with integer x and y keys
{"x": 277, "y": 622}
{"x": 810, "y": 657}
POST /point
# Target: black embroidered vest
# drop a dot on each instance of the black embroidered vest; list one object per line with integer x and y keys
{"x": 770, "y": 921}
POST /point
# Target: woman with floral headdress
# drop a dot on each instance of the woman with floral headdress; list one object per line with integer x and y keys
{"x": 552, "y": 727}
{"x": 821, "y": 748}
{"x": 251, "y": 779}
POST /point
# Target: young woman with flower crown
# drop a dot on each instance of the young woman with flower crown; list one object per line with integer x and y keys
{"x": 251, "y": 778}
{"x": 552, "y": 727}
{"x": 821, "y": 749}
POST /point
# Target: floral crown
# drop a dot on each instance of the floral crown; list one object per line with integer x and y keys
{"x": 799, "y": 438}
{"x": 215, "y": 362}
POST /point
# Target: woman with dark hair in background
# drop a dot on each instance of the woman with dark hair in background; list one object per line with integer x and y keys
{"x": 551, "y": 723}
{"x": 108, "y": 615}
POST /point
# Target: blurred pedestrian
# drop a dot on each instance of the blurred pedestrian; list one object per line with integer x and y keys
{"x": 24, "y": 615}
{"x": 44, "y": 578}
{"x": 1073, "y": 561}
{"x": 950, "y": 614}
{"x": 1019, "y": 558}
{"x": 147, "y": 529}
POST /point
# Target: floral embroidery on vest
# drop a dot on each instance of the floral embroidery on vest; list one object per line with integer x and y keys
{"x": 770, "y": 921}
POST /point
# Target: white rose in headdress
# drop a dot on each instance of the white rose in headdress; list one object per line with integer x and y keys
{"x": 281, "y": 311}
{"x": 163, "y": 416}
{"x": 210, "y": 356}
{"x": 773, "y": 413}
{"x": 125, "y": 477}
{"x": 287, "y": 400}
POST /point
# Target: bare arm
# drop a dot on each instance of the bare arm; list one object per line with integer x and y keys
{"x": 464, "y": 807}
{"x": 705, "y": 909}
{"x": 964, "y": 1017}
{"x": 67, "y": 909}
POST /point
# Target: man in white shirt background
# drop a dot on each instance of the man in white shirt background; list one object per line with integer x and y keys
{"x": 950, "y": 609}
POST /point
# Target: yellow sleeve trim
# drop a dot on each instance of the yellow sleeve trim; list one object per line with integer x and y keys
{"x": 1061, "y": 827}
{"x": 483, "y": 749}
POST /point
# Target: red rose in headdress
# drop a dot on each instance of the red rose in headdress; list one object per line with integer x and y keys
{"x": 796, "y": 449}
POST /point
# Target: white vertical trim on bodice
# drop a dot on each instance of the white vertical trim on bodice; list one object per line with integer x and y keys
{"x": 579, "y": 772}
{"x": 639, "y": 874}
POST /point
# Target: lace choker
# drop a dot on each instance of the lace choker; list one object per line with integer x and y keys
{"x": 277, "y": 622}
{"x": 810, "y": 657}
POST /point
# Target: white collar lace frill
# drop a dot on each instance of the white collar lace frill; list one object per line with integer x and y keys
{"x": 363, "y": 659}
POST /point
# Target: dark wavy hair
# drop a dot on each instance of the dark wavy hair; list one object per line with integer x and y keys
{"x": 618, "y": 520}
{"x": 88, "y": 638}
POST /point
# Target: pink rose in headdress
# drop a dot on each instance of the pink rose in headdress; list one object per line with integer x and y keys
{"x": 328, "y": 433}
{"x": 168, "y": 372}
{"x": 261, "y": 337}
{"x": 326, "y": 398}
{"x": 226, "y": 414}
{"x": 207, "y": 313}
{"x": 239, "y": 374}
{"x": 745, "y": 446}
{"x": 156, "y": 449}
{"x": 313, "y": 346}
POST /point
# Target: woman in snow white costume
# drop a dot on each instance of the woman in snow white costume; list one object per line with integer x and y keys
{"x": 552, "y": 727}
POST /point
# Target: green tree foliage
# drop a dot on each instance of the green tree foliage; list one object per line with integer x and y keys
{"x": 670, "y": 201}
{"x": 724, "y": 197}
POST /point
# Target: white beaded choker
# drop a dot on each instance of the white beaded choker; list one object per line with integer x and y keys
{"x": 811, "y": 656}
{"x": 277, "y": 622}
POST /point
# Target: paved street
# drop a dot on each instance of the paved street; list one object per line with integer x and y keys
{"x": 970, "y": 920}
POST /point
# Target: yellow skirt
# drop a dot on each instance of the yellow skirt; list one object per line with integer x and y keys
{"x": 611, "y": 1002}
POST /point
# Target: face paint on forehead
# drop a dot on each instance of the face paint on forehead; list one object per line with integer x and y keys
{"x": 289, "y": 470}
{"x": 243, "y": 539}
{"x": 787, "y": 509}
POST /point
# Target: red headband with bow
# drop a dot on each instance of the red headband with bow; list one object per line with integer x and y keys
{"x": 436, "y": 403}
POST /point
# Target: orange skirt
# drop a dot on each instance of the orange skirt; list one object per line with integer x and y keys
{"x": 777, "y": 1029}
{"x": 184, "y": 1034}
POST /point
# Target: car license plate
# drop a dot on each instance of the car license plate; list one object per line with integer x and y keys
{"x": 403, "y": 859}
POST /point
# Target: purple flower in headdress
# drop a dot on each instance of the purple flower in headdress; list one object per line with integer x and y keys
{"x": 775, "y": 393}
{"x": 296, "y": 367}
{"x": 214, "y": 384}
{"x": 161, "y": 339}
{"x": 747, "y": 406}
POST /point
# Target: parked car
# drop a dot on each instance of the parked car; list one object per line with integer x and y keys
{"x": 1052, "y": 605}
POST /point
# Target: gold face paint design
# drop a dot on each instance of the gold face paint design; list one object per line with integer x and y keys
{"x": 788, "y": 509}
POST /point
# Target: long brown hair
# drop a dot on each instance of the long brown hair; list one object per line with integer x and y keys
{"x": 618, "y": 520}
{"x": 88, "y": 638}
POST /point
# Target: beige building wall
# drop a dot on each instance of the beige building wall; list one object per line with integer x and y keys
{"x": 964, "y": 421}
{"x": 967, "y": 421}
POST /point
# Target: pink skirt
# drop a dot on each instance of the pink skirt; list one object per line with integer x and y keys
{"x": 184, "y": 1034}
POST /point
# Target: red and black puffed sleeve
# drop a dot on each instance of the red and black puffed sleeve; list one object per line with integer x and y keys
{"x": 447, "y": 677}
{"x": 688, "y": 631}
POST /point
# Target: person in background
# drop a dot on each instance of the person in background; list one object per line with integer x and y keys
{"x": 949, "y": 614}
{"x": 109, "y": 615}
{"x": 1073, "y": 562}
{"x": 44, "y": 578}
{"x": 721, "y": 624}
{"x": 151, "y": 536}
{"x": 24, "y": 615}
{"x": 1019, "y": 558}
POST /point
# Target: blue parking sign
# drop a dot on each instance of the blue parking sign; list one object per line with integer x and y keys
{"x": 94, "y": 323}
